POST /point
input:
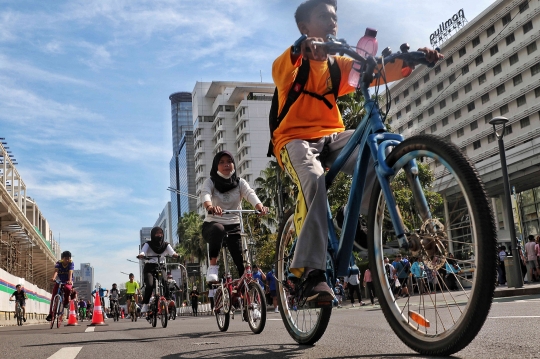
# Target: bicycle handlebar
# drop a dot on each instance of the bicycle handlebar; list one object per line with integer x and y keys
{"x": 232, "y": 211}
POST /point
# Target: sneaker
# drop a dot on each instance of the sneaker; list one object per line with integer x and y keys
{"x": 256, "y": 314}
{"x": 24, "y": 319}
{"x": 314, "y": 287}
{"x": 49, "y": 318}
{"x": 212, "y": 274}
{"x": 276, "y": 310}
{"x": 144, "y": 308}
{"x": 362, "y": 304}
{"x": 353, "y": 305}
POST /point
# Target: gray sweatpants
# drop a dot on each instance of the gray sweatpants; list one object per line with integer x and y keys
{"x": 301, "y": 160}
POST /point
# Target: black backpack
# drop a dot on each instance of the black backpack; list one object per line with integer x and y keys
{"x": 297, "y": 88}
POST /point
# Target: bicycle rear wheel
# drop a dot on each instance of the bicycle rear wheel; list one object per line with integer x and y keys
{"x": 256, "y": 307}
{"x": 164, "y": 313}
{"x": 305, "y": 324}
{"x": 222, "y": 308}
{"x": 460, "y": 222}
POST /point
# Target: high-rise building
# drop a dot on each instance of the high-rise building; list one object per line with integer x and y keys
{"x": 231, "y": 116}
{"x": 181, "y": 165}
{"x": 164, "y": 222}
{"x": 84, "y": 280}
{"x": 491, "y": 68}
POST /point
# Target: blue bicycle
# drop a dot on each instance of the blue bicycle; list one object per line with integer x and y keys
{"x": 427, "y": 202}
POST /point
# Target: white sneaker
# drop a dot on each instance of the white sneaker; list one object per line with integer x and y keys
{"x": 256, "y": 314}
{"x": 276, "y": 310}
{"x": 212, "y": 274}
{"x": 144, "y": 308}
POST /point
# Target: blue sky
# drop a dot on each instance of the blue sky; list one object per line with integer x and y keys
{"x": 84, "y": 89}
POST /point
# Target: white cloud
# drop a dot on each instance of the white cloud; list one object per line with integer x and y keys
{"x": 54, "y": 47}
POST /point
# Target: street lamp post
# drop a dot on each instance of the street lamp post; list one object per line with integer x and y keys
{"x": 497, "y": 121}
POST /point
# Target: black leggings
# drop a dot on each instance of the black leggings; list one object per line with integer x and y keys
{"x": 149, "y": 282}
{"x": 214, "y": 233}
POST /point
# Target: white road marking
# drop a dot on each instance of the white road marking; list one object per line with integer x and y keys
{"x": 90, "y": 329}
{"x": 66, "y": 353}
{"x": 516, "y": 316}
{"x": 275, "y": 319}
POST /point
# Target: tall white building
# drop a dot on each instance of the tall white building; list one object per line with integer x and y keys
{"x": 491, "y": 68}
{"x": 231, "y": 116}
{"x": 165, "y": 223}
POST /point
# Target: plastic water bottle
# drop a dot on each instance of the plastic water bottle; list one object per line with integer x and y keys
{"x": 367, "y": 46}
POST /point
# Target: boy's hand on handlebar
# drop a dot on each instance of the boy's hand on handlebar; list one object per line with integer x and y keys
{"x": 431, "y": 54}
{"x": 311, "y": 51}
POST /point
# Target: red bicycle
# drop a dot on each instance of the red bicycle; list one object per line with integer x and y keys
{"x": 244, "y": 293}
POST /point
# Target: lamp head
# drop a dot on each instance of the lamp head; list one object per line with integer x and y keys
{"x": 499, "y": 120}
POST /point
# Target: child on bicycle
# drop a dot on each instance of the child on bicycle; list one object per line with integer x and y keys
{"x": 63, "y": 269}
{"x": 132, "y": 291}
{"x": 20, "y": 297}
{"x": 114, "y": 295}
{"x": 313, "y": 124}
{"x": 222, "y": 191}
{"x": 155, "y": 247}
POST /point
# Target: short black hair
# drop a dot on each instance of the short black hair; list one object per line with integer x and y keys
{"x": 303, "y": 12}
{"x": 66, "y": 254}
{"x": 17, "y": 286}
{"x": 531, "y": 237}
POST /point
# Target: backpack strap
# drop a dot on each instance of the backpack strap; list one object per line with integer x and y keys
{"x": 296, "y": 89}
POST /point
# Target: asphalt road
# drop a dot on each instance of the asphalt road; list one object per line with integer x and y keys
{"x": 511, "y": 331}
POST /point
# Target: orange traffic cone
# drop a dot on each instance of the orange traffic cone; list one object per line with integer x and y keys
{"x": 122, "y": 314}
{"x": 72, "y": 319}
{"x": 97, "y": 315}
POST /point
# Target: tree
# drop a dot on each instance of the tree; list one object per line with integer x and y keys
{"x": 192, "y": 245}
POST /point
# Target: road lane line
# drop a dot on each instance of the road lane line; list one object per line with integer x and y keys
{"x": 90, "y": 329}
{"x": 66, "y": 353}
{"x": 516, "y": 316}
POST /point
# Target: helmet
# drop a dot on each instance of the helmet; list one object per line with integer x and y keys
{"x": 66, "y": 254}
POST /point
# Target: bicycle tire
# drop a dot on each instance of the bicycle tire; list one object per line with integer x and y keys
{"x": 222, "y": 316}
{"x": 466, "y": 212}
{"x": 173, "y": 313}
{"x": 18, "y": 314}
{"x": 60, "y": 316}
{"x": 293, "y": 314}
{"x": 154, "y": 314}
{"x": 256, "y": 308}
{"x": 164, "y": 313}
{"x": 54, "y": 309}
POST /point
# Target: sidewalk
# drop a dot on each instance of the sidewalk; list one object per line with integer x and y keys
{"x": 503, "y": 291}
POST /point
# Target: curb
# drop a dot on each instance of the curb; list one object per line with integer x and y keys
{"x": 515, "y": 292}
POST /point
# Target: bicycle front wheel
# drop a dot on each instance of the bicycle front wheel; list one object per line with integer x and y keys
{"x": 305, "y": 324}
{"x": 54, "y": 309}
{"x": 154, "y": 314}
{"x": 164, "y": 313}
{"x": 452, "y": 238}
{"x": 222, "y": 308}
{"x": 256, "y": 308}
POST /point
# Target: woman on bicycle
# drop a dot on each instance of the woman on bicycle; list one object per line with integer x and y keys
{"x": 222, "y": 191}
{"x": 155, "y": 247}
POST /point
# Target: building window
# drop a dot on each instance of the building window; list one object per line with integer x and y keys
{"x": 457, "y": 114}
{"x": 521, "y": 100}
{"x": 442, "y": 104}
{"x": 531, "y": 48}
{"x": 445, "y": 121}
{"x": 481, "y": 79}
{"x": 537, "y": 92}
{"x": 527, "y": 27}
{"x": 396, "y": 100}
{"x": 398, "y": 115}
{"x": 535, "y": 69}
{"x": 426, "y": 78}
{"x": 485, "y": 98}
{"x": 431, "y": 111}
{"x": 517, "y": 80}
{"x": 474, "y": 125}
{"x": 400, "y": 130}
{"x": 449, "y": 61}
{"x": 493, "y": 50}
{"x": 470, "y": 106}
{"x": 488, "y": 117}
{"x": 420, "y": 117}
{"x": 406, "y": 93}
{"x": 464, "y": 69}
{"x": 490, "y": 31}
{"x": 455, "y": 96}
{"x": 462, "y": 51}
{"x": 491, "y": 137}
{"x": 428, "y": 94}
{"x": 437, "y": 70}
{"x": 478, "y": 60}
{"x": 423, "y": 132}
{"x": 506, "y": 19}
{"x": 476, "y": 41}
{"x": 500, "y": 89}
{"x": 434, "y": 128}
{"x": 415, "y": 86}
{"x": 476, "y": 144}
{"x": 410, "y": 124}
{"x": 523, "y": 6}
{"x": 503, "y": 109}
{"x": 418, "y": 102}
{"x": 510, "y": 39}
{"x": 524, "y": 122}
{"x": 440, "y": 87}
{"x": 460, "y": 132}
{"x": 508, "y": 130}
{"x": 407, "y": 108}
{"x": 497, "y": 70}
{"x": 468, "y": 87}
{"x": 513, "y": 59}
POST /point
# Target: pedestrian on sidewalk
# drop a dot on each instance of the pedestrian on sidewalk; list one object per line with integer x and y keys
{"x": 339, "y": 291}
{"x": 271, "y": 283}
{"x": 368, "y": 283}
{"x": 500, "y": 268}
{"x": 194, "y": 295}
{"x": 353, "y": 285}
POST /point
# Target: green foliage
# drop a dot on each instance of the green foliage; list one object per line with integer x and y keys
{"x": 191, "y": 246}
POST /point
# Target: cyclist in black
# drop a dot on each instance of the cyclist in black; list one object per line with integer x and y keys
{"x": 114, "y": 294}
{"x": 20, "y": 296}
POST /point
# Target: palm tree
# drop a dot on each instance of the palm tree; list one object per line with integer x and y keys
{"x": 190, "y": 234}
